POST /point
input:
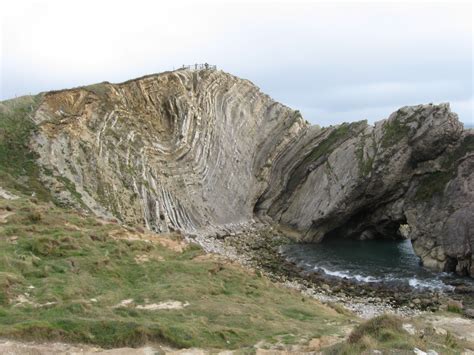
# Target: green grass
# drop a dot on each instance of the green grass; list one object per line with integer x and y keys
{"x": 383, "y": 329}
{"x": 56, "y": 256}
{"x": 100, "y": 89}
{"x": 394, "y": 131}
{"x": 454, "y": 308}
{"x": 18, "y": 169}
{"x": 365, "y": 165}
{"x": 433, "y": 184}
{"x": 466, "y": 146}
{"x": 335, "y": 138}
{"x": 385, "y": 333}
{"x": 71, "y": 187}
{"x": 326, "y": 146}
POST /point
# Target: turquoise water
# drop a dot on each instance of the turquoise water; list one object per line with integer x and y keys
{"x": 368, "y": 261}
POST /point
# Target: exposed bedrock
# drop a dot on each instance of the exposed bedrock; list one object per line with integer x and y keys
{"x": 186, "y": 150}
{"x": 204, "y": 151}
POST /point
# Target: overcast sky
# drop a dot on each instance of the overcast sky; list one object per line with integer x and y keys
{"x": 334, "y": 62}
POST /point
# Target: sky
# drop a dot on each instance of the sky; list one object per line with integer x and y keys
{"x": 333, "y": 61}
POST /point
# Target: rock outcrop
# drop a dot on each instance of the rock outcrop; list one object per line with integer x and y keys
{"x": 205, "y": 152}
{"x": 186, "y": 150}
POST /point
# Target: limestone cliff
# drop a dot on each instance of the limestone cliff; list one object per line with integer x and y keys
{"x": 186, "y": 150}
{"x": 203, "y": 151}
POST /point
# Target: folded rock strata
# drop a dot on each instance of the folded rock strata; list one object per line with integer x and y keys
{"x": 204, "y": 151}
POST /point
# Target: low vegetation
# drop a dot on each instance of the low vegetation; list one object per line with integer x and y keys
{"x": 365, "y": 162}
{"x": 335, "y": 138}
{"x": 466, "y": 146}
{"x": 71, "y": 277}
{"x": 387, "y": 334}
{"x": 18, "y": 169}
{"x": 67, "y": 276}
{"x": 454, "y": 308}
{"x": 433, "y": 184}
{"x": 321, "y": 151}
{"x": 394, "y": 131}
{"x": 100, "y": 89}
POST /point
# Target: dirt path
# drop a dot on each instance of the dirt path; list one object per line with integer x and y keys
{"x": 11, "y": 347}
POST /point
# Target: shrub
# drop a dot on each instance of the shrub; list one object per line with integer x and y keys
{"x": 380, "y": 328}
{"x": 454, "y": 308}
{"x": 34, "y": 216}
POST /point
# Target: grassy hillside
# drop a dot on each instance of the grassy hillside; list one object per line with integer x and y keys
{"x": 66, "y": 276}
{"x": 72, "y": 277}
{"x": 18, "y": 170}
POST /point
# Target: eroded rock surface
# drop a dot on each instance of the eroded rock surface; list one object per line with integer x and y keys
{"x": 204, "y": 151}
{"x": 183, "y": 150}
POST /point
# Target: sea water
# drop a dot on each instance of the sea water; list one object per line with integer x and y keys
{"x": 369, "y": 261}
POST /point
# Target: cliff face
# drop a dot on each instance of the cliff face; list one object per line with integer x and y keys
{"x": 186, "y": 150}
{"x": 414, "y": 170}
{"x": 204, "y": 151}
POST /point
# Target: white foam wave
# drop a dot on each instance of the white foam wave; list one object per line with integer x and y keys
{"x": 413, "y": 282}
{"x": 430, "y": 284}
{"x": 345, "y": 274}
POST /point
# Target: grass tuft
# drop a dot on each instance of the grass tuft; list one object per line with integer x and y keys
{"x": 385, "y": 333}
{"x": 454, "y": 308}
{"x": 34, "y": 216}
{"x": 394, "y": 131}
{"x": 433, "y": 184}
